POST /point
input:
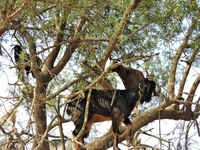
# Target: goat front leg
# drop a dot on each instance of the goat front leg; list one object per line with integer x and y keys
{"x": 128, "y": 131}
{"x": 115, "y": 125}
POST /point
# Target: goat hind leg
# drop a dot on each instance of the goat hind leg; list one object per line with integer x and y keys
{"x": 115, "y": 144}
{"x": 77, "y": 144}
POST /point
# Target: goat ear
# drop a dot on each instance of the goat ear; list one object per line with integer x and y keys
{"x": 148, "y": 75}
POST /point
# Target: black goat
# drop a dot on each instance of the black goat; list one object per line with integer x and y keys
{"x": 22, "y": 60}
{"x": 100, "y": 109}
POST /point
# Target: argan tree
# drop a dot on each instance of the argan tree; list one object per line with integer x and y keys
{"x": 75, "y": 40}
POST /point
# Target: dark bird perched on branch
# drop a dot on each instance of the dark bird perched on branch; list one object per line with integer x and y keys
{"x": 22, "y": 60}
{"x": 100, "y": 109}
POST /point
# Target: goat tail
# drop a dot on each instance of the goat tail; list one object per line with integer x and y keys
{"x": 70, "y": 109}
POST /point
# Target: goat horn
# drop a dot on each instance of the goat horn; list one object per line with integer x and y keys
{"x": 148, "y": 75}
{"x": 140, "y": 88}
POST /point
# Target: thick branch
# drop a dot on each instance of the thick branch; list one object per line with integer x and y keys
{"x": 133, "y": 4}
{"x": 60, "y": 27}
{"x": 66, "y": 57}
{"x": 193, "y": 89}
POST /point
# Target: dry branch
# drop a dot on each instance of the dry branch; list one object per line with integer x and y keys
{"x": 187, "y": 69}
{"x": 193, "y": 90}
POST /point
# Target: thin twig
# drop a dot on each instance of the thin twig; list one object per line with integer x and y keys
{"x": 85, "y": 116}
{"x": 15, "y": 13}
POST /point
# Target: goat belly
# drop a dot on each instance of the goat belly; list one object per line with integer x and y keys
{"x": 99, "y": 118}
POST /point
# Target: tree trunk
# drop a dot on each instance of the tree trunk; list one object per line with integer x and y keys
{"x": 40, "y": 119}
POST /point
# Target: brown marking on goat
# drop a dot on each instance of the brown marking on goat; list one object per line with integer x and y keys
{"x": 75, "y": 145}
{"x": 99, "y": 118}
{"x": 128, "y": 134}
{"x": 96, "y": 118}
{"x": 138, "y": 101}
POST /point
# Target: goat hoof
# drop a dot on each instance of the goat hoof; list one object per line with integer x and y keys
{"x": 128, "y": 143}
{"x": 116, "y": 148}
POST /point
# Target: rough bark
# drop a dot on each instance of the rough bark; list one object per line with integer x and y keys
{"x": 39, "y": 117}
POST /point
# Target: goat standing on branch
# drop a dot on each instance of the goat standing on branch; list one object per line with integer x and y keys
{"x": 22, "y": 60}
{"x": 100, "y": 109}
